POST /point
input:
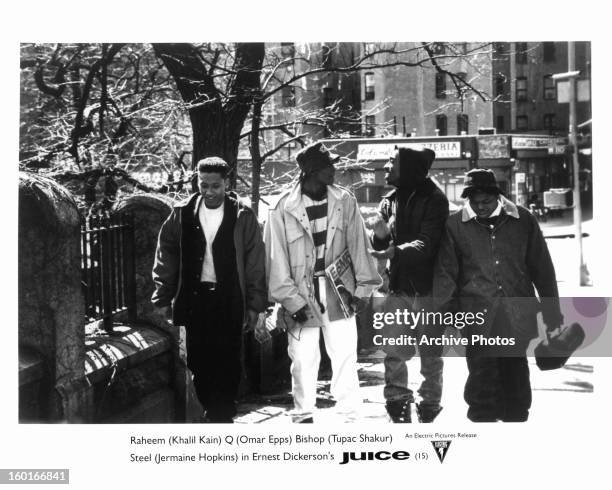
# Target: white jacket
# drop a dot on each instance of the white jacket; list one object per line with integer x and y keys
{"x": 290, "y": 251}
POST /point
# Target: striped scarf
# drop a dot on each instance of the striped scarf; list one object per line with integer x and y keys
{"x": 317, "y": 215}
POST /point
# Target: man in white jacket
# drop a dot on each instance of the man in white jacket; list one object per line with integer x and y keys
{"x": 308, "y": 229}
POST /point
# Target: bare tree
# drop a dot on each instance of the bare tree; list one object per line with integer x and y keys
{"x": 98, "y": 111}
{"x": 112, "y": 111}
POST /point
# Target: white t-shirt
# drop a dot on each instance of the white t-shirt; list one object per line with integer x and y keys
{"x": 210, "y": 220}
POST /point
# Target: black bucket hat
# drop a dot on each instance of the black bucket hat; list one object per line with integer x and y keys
{"x": 315, "y": 157}
{"x": 480, "y": 179}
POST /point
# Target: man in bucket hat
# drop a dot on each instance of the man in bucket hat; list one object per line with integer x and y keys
{"x": 492, "y": 255}
{"x": 308, "y": 229}
{"x": 407, "y": 232}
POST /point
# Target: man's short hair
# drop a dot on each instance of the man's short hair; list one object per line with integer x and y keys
{"x": 214, "y": 165}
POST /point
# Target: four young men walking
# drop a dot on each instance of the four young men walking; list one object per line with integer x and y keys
{"x": 214, "y": 275}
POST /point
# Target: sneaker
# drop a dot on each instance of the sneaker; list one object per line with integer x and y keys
{"x": 302, "y": 418}
{"x": 427, "y": 413}
{"x": 399, "y": 411}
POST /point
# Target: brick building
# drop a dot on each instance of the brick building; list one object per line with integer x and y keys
{"x": 399, "y": 92}
{"x": 525, "y": 94}
{"x": 416, "y": 99}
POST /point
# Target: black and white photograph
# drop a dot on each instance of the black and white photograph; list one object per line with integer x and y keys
{"x": 270, "y": 253}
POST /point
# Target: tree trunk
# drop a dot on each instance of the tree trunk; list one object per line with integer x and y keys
{"x": 255, "y": 156}
{"x": 217, "y": 117}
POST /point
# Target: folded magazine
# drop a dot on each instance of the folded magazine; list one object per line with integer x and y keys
{"x": 342, "y": 278}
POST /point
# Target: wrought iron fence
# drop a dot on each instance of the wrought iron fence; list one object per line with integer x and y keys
{"x": 108, "y": 267}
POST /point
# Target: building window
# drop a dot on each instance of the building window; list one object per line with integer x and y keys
{"x": 328, "y": 96}
{"x": 326, "y": 57}
{"x": 550, "y": 90}
{"x": 442, "y": 125}
{"x": 287, "y": 50}
{"x": 440, "y": 85}
{"x": 499, "y": 124}
{"x": 521, "y": 53}
{"x": 521, "y": 123}
{"x": 462, "y": 124}
{"x": 549, "y": 52}
{"x": 521, "y": 89}
{"x": 500, "y": 81}
{"x": 369, "y": 86}
{"x": 288, "y": 95}
{"x": 369, "y": 48}
{"x": 453, "y": 191}
{"x": 438, "y": 48}
{"x": 549, "y": 121}
{"x": 370, "y": 125}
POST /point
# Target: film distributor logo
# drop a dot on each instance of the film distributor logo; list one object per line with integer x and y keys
{"x": 441, "y": 448}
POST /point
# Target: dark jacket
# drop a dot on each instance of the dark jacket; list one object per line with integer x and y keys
{"x": 170, "y": 261}
{"x": 417, "y": 224}
{"x": 481, "y": 268}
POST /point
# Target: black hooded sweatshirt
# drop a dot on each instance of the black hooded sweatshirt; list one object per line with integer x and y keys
{"x": 416, "y": 212}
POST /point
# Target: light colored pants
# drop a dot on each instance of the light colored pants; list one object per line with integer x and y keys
{"x": 396, "y": 371}
{"x": 341, "y": 344}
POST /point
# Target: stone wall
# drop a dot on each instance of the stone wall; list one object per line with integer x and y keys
{"x": 149, "y": 213}
{"x": 131, "y": 375}
{"x": 135, "y": 374}
{"x": 50, "y": 320}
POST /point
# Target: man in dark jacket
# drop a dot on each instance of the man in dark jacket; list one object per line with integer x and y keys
{"x": 408, "y": 233}
{"x": 210, "y": 271}
{"x": 492, "y": 255}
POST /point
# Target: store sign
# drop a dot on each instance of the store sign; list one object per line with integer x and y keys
{"x": 520, "y": 177}
{"x": 583, "y": 91}
{"x": 530, "y": 143}
{"x": 382, "y": 151}
{"x": 558, "y": 146}
{"x": 496, "y": 146}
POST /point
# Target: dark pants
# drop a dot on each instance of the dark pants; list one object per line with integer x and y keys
{"x": 498, "y": 386}
{"x": 214, "y": 340}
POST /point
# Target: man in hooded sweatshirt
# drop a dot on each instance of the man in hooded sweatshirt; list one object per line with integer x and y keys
{"x": 407, "y": 233}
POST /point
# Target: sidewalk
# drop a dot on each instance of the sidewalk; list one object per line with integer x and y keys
{"x": 557, "y": 395}
{"x": 563, "y": 227}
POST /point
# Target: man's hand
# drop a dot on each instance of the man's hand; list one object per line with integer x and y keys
{"x": 301, "y": 316}
{"x": 165, "y": 312}
{"x": 346, "y": 296}
{"x": 252, "y": 317}
{"x": 389, "y": 253}
{"x": 358, "y": 304}
{"x": 260, "y": 331}
{"x": 552, "y": 327}
{"x": 380, "y": 227}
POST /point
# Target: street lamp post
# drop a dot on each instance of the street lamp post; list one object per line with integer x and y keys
{"x": 571, "y": 76}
